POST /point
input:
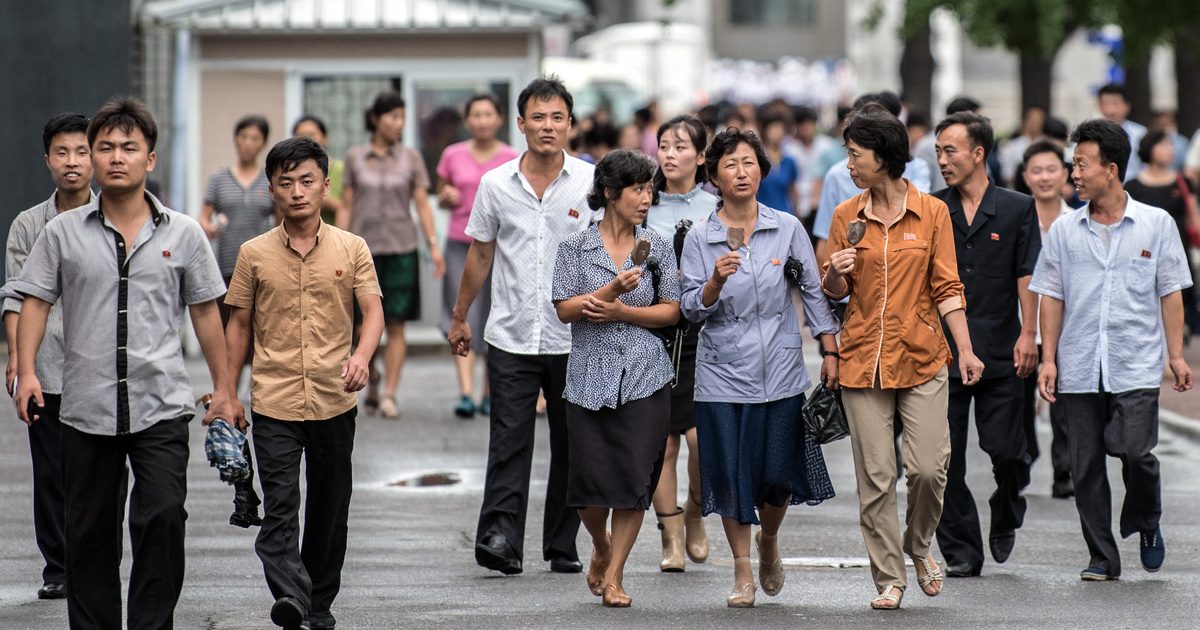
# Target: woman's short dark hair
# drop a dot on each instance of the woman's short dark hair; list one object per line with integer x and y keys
{"x": 256, "y": 121}
{"x": 63, "y": 123}
{"x": 384, "y": 103}
{"x": 727, "y": 142}
{"x": 617, "y": 171}
{"x": 1146, "y": 146}
{"x": 691, "y": 128}
{"x": 546, "y": 89}
{"x": 124, "y": 114}
{"x": 312, "y": 119}
{"x": 289, "y": 153}
{"x": 1110, "y": 138}
{"x": 875, "y": 128}
{"x": 482, "y": 98}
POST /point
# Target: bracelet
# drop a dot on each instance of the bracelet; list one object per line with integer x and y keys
{"x": 830, "y": 353}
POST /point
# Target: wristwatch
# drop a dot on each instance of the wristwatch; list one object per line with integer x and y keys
{"x": 830, "y": 353}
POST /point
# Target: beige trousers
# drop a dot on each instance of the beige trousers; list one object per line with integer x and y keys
{"x": 926, "y": 456}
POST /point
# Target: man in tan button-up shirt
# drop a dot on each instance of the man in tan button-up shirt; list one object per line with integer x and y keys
{"x": 294, "y": 288}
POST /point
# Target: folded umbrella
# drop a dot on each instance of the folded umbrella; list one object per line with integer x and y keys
{"x": 228, "y": 451}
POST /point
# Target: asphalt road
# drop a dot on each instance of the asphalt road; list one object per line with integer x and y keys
{"x": 410, "y": 562}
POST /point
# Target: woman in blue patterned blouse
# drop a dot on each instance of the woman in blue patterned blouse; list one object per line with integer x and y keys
{"x": 618, "y": 374}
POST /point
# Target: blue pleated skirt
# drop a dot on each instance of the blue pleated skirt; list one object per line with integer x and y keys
{"x": 756, "y": 454}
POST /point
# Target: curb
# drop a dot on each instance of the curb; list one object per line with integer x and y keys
{"x": 1180, "y": 424}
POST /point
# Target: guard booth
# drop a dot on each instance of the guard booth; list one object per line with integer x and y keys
{"x": 207, "y": 63}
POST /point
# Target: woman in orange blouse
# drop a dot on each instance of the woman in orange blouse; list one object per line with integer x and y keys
{"x": 899, "y": 278}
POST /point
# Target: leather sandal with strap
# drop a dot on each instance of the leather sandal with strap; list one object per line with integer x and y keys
{"x": 889, "y": 599}
{"x": 933, "y": 575}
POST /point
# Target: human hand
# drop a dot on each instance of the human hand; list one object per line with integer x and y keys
{"x": 1183, "y": 374}
{"x": 225, "y": 405}
{"x": 970, "y": 367}
{"x": 1047, "y": 380}
{"x": 355, "y": 372}
{"x": 449, "y": 196}
{"x": 841, "y": 262}
{"x": 627, "y": 280}
{"x": 726, "y": 266}
{"x": 28, "y": 388}
{"x": 600, "y": 311}
{"x": 459, "y": 337}
{"x": 1025, "y": 354}
{"x": 829, "y": 373}
{"x": 439, "y": 263}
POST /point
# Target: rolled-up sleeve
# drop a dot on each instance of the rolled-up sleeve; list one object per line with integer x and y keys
{"x": 694, "y": 274}
{"x": 945, "y": 286}
{"x": 816, "y": 307}
{"x": 40, "y": 275}
{"x": 1047, "y": 275}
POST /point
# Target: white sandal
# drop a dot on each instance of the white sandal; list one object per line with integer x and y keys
{"x": 887, "y": 600}
{"x": 932, "y": 574}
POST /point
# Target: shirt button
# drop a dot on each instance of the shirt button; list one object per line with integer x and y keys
{"x": 969, "y": 268}
{"x": 970, "y": 245}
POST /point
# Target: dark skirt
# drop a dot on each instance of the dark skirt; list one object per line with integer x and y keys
{"x": 755, "y": 454}
{"x": 683, "y": 387}
{"x": 400, "y": 282}
{"x": 616, "y": 455}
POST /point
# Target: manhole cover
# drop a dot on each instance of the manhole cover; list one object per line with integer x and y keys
{"x": 428, "y": 480}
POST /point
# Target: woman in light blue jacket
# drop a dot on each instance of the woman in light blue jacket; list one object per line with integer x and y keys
{"x": 755, "y": 457}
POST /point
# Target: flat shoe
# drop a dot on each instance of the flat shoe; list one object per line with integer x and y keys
{"x": 770, "y": 575}
{"x": 387, "y": 409}
{"x": 742, "y": 596}
{"x": 933, "y": 575}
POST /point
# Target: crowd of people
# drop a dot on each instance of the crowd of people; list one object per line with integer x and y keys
{"x": 642, "y": 286}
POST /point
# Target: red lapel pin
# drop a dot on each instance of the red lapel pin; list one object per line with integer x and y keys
{"x": 573, "y": 213}
{"x": 1145, "y": 253}
{"x": 338, "y": 273}
{"x": 166, "y": 253}
{"x": 995, "y": 236}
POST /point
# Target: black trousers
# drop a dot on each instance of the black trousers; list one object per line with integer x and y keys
{"x": 998, "y": 420}
{"x": 515, "y": 381}
{"x": 1060, "y": 454}
{"x": 310, "y": 571}
{"x": 93, "y": 473}
{"x": 1125, "y": 426}
{"x": 45, "y": 449}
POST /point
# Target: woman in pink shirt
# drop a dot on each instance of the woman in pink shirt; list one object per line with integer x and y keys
{"x": 459, "y": 171}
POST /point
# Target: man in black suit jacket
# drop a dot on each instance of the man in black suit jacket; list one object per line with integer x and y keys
{"x": 997, "y": 240}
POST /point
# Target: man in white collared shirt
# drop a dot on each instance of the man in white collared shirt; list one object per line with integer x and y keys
{"x": 1111, "y": 274}
{"x": 523, "y": 209}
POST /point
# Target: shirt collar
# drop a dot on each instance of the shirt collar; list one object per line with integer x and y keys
{"x": 687, "y": 196}
{"x": 51, "y": 204}
{"x": 570, "y": 164}
{"x": 287, "y": 239}
{"x": 912, "y": 201}
{"x": 592, "y": 240}
{"x": 158, "y": 213}
{"x": 390, "y": 151}
{"x": 767, "y": 220}
{"x": 1133, "y": 210}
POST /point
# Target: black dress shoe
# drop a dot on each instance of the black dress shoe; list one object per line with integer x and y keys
{"x": 321, "y": 621}
{"x": 1001, "y": 544}
{"x": 494, "y": 553}
{"x": 961, "y": 570}
{"x": 53, "y": 590}
{"x": 288, "y": 613}
{"x": 1062, "y": 491}
{"x": 563, "y": 565}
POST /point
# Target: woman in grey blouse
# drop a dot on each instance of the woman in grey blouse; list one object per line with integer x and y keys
{"x": 756, "y": 459}
{"x": 618, "y": 373}
{"x": 682, "y": 203}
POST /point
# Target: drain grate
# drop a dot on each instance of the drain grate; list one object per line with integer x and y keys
{"x": 428, "y": 480}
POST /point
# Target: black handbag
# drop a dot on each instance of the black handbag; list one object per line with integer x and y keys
{"x": 824, "y": 417}
{"x": 667, "y": 333}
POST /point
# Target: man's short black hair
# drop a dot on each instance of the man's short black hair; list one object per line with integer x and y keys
{"x": 312, "y": 119}
{"x": 124, "y": 114}
{"x": 601, "y": 135}
{"x": 888, "y": 99}
{"x": 1056, "y": 128}
{"x": 617, "y": 171}
{"x": 256, "y": 121}
{"x": 803, "y": 114}
{"x": 979, "y": 130}
{"x": 727, "y": 142}
{"x": 70, "y": 122}
{"x": 1146, "y": 146}
{"x": 546, "y": 89}
{"x": 1038, "y": 147}
{"x": 290, "y": 153}
{"x": 1114, "y": 88}
{"x": 1110, "y": 138}
{"x": 963, "y": 104}
{"x": 875, "y": 128}
{"x": 917, "y": 119}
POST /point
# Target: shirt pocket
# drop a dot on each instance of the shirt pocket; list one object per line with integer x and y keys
{"x": 1140, "y": 276}
{"x": 718, "y": 345}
